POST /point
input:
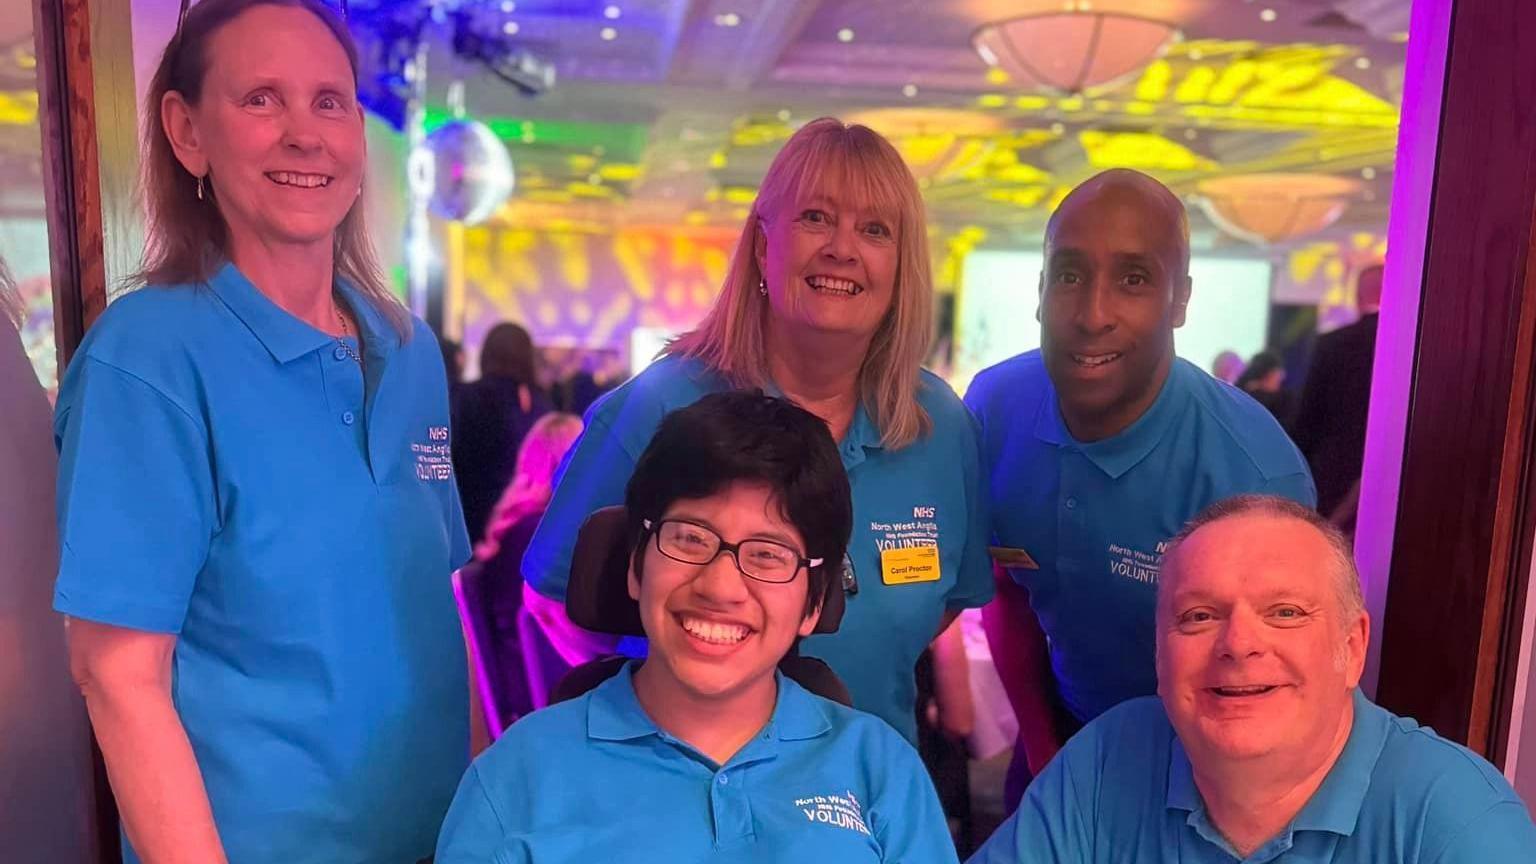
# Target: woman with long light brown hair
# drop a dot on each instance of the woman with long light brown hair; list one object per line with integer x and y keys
{"x": 828, "y": 301}
{"x": 257, "y": 506}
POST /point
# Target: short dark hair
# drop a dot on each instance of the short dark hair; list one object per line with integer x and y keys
{"x": 508, "y": 353}
{"x": 739, "y": 436}
{"x": 1346, "y": 575}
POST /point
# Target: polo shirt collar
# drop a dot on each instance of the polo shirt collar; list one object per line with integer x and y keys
{"x": 1118, "y": 454}
{"x": 1334, "y": 807}
{"x": 862, "y": 435}
{"x": 1336, "y": 804}
{"x": 614, "y": 712}
{"x": 287, "y": 338}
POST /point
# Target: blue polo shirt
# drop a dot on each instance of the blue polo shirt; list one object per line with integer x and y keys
{"x": 228, "y": 475}
{"x": 594, "y": 779}
{"x": 927, "y": 493}
{"x": 1093, "y": 517}
{"x": 1122, "y": 790}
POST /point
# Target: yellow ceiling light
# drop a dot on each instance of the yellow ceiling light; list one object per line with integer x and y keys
{"x": 1140, "y": 150}
{"x": 903, "y": 122}
{"x": 1255, "y": 85}
{"x": 1270, "y": 208}
{"x": 18, "y": 108}
{"x": 934, "y": 141}
{"x": 1073, "y": 46}
{"x": 619, "y": 172}
{"x": 760, "y": 131}
{"x": 1026, "y": 198}
{"x": 739, "y": 194}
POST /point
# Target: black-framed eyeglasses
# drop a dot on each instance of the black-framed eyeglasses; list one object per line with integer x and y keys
{"x": 763, "y": 560}
{"x": 181, "y": 19}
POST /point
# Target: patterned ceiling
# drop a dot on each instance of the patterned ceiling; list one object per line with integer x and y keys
{"x": 667, "y": 112}
{"x": 674, "y": 118}
{"x": 20, "y": 145}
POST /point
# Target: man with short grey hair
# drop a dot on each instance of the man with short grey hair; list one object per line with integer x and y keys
{"x": 1259, "y": 747}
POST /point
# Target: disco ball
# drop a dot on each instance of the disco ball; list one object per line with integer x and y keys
{"x": 468, "y": 171}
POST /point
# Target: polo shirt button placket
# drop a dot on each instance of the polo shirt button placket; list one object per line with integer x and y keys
{"x": 340, "y": 353}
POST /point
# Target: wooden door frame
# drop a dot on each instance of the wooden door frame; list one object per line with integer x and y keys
{"x": 1460, "y": 529}
{"x": 73, "y": 193}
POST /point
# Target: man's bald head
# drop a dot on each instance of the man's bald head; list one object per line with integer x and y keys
{"x": 1138, "y": 190}
{"x": 1368, "y": 289}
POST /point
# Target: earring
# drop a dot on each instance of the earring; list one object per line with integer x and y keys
{"x": 199, "y": 188}
{"x": 762, "y": 287}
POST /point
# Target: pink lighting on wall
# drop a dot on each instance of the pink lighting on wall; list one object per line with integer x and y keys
{"x": 1397, "y": 336}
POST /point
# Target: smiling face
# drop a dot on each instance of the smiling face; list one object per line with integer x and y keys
{"x": 714, "y": 633}
{"x": 1257, "y": 656}
{"x": 1115, "y": 287}
{"x": 829, "y": 260}
{"x": 277, "y": 130}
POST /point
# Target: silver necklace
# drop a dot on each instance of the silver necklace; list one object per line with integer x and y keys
{"x": 345, "y": 332}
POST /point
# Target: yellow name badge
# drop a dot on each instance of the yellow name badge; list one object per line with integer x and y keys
{"x": 906, "y": 566}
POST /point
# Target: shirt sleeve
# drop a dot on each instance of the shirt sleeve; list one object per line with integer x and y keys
{"x": 1049, "y": 827}
{"x": 1502, "y": 833}
{"x": 1298, "y": 487}
{"x": 472, "y": 832}
{"x": 593, "y": 475}
{"x": 974, "y": 585}
{"x": 910, "y": 824}
{"x": 136, "y": 501}
{"x": 458, "y": 534}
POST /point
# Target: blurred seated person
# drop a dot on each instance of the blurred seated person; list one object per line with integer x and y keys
{"x": 739, "y": 515}
{"x": 500, "y": 554}
{"x": 1227, "y": 366}
{"x": 1264, "y": 379}
{"x": 946, "y": 717}
{"x": 1259, "y": 747}
{"x": 453, "y": 365}
{"x": 490, "y": 418}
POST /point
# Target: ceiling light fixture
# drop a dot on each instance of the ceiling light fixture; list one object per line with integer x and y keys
{"x": 845, "y": 35}
{"x": 1073, "y": 48}
{"x": 1270, "y": 208}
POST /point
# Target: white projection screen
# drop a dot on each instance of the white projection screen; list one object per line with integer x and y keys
{"x": 995, "y": 312}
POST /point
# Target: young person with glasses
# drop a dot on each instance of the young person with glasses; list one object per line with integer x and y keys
{"x": 739, "y": 512}
{"x": 828, "y": 301}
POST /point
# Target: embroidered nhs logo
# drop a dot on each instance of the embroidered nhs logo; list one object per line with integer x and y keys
{"x": 434, "y": 461}
{"x": 839, "y": 811}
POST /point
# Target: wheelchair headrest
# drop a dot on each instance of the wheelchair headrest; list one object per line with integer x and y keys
{"x": 597, "y": 595}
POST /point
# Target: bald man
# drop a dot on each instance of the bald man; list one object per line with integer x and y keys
{"x": 1330, "y": 421}
{"x": 1099, "y": 447}
{"x": 1261, "y": 748}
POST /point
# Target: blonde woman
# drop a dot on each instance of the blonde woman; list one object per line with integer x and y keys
{"x": 828, "y": 302}
{"x": 499, "y": 555}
